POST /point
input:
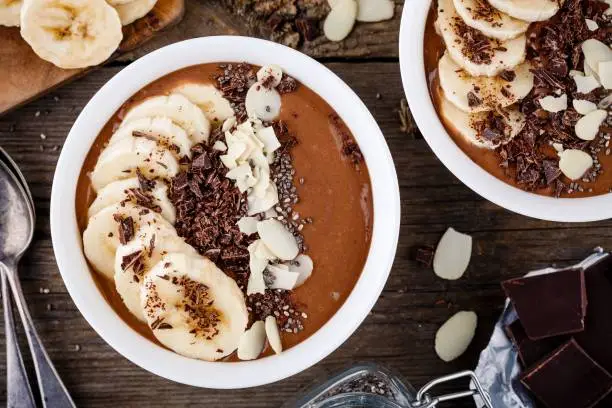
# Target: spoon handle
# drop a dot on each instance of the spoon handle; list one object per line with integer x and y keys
{"x": 18, "y": 391}
{"x": 54, "y": 393}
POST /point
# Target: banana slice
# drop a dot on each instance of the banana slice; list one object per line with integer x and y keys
{"x": 120, "y": 160}
{"x": 472, "y": 50}
{"x": 472, "y": 126}
{"x": 136, "y": 258}
{"x": 9, "y": 12}
{"x": 528, "y": 10}
{"x": 209, "y": 99}
{"x": 101, "y": 237}
{"x": 160, "y": 129}
{"x": 71, "y": 33}
{"x": 129, "y": 190}
{"x": 133, "y": 10}
{"x": 479, "y": 94}
{"x": 193, "y": 308}
{"x": 479, "y": 15}
{"x": 177, "y": 108}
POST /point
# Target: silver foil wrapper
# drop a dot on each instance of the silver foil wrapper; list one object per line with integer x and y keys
{"x": 498, "y": 368}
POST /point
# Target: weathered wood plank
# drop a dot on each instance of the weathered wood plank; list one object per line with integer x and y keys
{"x": 401, "y": 328}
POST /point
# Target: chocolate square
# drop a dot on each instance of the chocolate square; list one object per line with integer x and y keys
{"x": 531, "y": 351}
{"x": 568, "y": 377}
{"x": 549, "y": 305}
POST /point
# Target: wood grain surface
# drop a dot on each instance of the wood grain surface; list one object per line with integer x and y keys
{"x": 25, "y": 76}
{"x": 400, "y": 330}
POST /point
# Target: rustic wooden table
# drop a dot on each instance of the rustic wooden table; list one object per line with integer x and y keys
{"x": 400, "y": 330}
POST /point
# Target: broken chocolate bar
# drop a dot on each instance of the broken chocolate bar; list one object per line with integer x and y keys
{"x": 568, "y": 377}
{"x": 531, "y": 351}
{"x": 549, "y": 305}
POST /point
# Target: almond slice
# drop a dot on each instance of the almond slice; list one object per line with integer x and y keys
{"x": 220, "y": 146}
{"x": 262, "y": 103}
{"x": 268, "y": 138}
{"x": 268, "y": 71}
{"x": 371, "y": 11}
{"x": 283, "y": 278}
{"x": 595, "y": 52}
{"x": 340, "y": 20}
{"x": 257, "y": 265}
{"x": 591, "y": 25}
{"x": 551, "y": 104}
{"x": 252, "y": 341}
{"x": 455, "y": 335}
{"x": 583, "y": 107}
{"x": 278, "y": 239}
{"x": 273, "y": 334}
{"x": 587, "y": 126}
{"x": 574, "y": 163}
{"x": 452, "y": 255}
{"x": 247, "y": 225}
{"x": 585, "y": 84}
{"x": 303, "y": 265}
{"x": 605, "y": 74}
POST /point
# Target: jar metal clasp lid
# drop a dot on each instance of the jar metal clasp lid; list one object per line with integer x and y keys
{"x": 424, "y": 399}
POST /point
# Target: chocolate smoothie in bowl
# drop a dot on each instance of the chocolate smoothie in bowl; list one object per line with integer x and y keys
{"x": 523, "y": 88}
{"x": 226, "y": 211}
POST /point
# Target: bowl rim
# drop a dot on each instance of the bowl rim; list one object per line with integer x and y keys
{"x": 66, "y": 237}
{"x": 412, "y": 67}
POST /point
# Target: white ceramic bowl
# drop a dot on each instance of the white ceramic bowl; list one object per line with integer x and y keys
{"x": 412, "y": 64}
{"x": 67, "y": 239}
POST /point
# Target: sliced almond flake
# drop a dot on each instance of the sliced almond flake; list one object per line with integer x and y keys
{"x": 228, "y": 124}
{"x": 247, "y": 225}
{"x": 340, "y": 20}
{"x": 587, "y": 126}
{"x": 268, "y": 71}
{"x": 268, "y": 139}
{"x": 588, "y": 71}
{"x": 371, "y": 11}
{"x": 455, "y": 335}
{"x": 574, "y": 163}
{"x": 605, "y": 74}
{"x": 591, "y": 25}
{"x": 242, "y": 171}
{"x": 283, "y": 278}
{"x": 273, "y": 334}
{"x": 452, "y": 255}
{"x": 220, "y": 146}
{"x": 252, "y": 341}
{"x": 558, "y": 147}
{"x": 278, "y": 239}
{"x": 585, "y": 84}
{"x": 606, "y": 102}
{"x": 262, "y": 251}
{"x": 261, "y": 204}
{"x": 303, "y": 265}
{"x": 257, "y": 265}
{"x": 573, "y": 73}
{"x": 583, "y": 106}
{"x": 554, "y": 104}
{"x": 595, "y": 52}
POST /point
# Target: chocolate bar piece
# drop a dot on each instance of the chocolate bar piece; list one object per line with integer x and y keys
{"x": 568, "y": 377}
{"x": 531, "y": 351}
{"x": 549, "y": 305}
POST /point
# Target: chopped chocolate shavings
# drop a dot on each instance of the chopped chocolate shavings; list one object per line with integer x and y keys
{"x": 126, "y": 228}
{"x": 508, "y": 75}
{"x": 475, "y": 45}
{"x": 473, "y": 100}
{"x": 234, "y": 82}
{"x": 424, "y": 255}
{"x": 146, "y": 185}
{"x": 143, "y": 199}
{"x": 287, "y": 85}
{"x": 134, "y": 261}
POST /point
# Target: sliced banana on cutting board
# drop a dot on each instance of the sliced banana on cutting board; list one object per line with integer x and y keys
{"x": 479, "y": 94}
{"x": 216, "y": 108}
{"x": 193, "y": 308}
{"x": 491, "y": 57}
{"x": 473, "y": 126}
{"x": 101, "y": 237}
{"x": 177, "y": 108}
{"x": 9, "y": 12}
{"x": 160, "y": 129}
{"x": 479, "y": 15}
{"x": 130, "y": 190}
{"x": 120, "y": 160}
{"x": 131, "y": 11}
{"x": 136, "y": 258}
{"x": 528, "y": 10}
{"x": 71, "y": 33}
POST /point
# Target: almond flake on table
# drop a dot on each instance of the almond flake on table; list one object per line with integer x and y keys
{"x": 587, "y": 127}
{"x": 554, "y": 104}
{"x": 452, "y": 255}
{"x": 583, "y": 106}
{"x": 340, "y": 20}
{"x": 371, "y": 11}
{"x": 455, "y": 335}
{"x": 574, "y": 163}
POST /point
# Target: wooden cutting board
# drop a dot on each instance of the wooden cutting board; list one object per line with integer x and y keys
{"x": 24, "y": 76}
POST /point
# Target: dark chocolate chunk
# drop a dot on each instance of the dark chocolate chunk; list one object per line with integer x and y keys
{"x": 531, "y": 351}
{"x": 551, "y": 304}
{"x": 424, "y": 255}
{"x": 568, "y": 378}
{"x": 473, "y": 100}
{"x": 126, "y": 228}
{"x": 507, "y": 75}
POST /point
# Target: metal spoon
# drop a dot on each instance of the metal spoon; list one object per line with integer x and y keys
{"x": 17, "y": 220}
{"x": 8, "y": 160}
